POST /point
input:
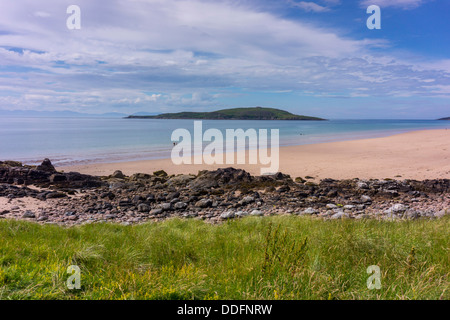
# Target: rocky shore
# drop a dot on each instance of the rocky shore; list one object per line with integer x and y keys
{"x": 40, "y": 193}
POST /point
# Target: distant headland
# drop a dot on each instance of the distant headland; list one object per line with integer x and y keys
{"x": 448, "y": 118}
{"x": 256, "y": 113}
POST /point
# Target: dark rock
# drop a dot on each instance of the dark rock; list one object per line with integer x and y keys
{"x": 284, "y": 188}
{"x": 18, "y": 181}
{"x": 182, "y": 179}
{"x": 156, "y": 211}
{"x": 143, "y": 208}
{"x": 10, "y": 163}
{"x": 281, "y": 176}
{"x": 332, "y": 194}
{"x": 55, "y": 195}
{"x": 172, "y": 196}
{"x": 108, "y": 195}
{"x": 46, "y": 166}
{"x": 204, "y": 203}
{"x": 125, "y": 203}
{"x": 57, "y": 177}
{"x": 140, "y": 176}
{"x": 138, "y": 199}
{"x": 193, "y": 199}
{"x": 166, "y": 206}
{"x": 107, "y": 206}
{"x": 28, "y": 214}
{"x": 180, "y": 205}
{"x": 118, "y": 174}
{"x": 220, "y": 177}
{"x": 161, "y": 197}
{"x": 78, "y": 180}
{"x": 160, "y": 173}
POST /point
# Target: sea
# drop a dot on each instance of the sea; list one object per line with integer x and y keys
{"x": 75, "y": 141}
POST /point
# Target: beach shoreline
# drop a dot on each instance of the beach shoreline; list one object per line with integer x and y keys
{"x": 353, "y": 184}
{"x": 419, "y": 155}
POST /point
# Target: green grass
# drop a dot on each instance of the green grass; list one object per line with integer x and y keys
{"x": 281, "y": 257}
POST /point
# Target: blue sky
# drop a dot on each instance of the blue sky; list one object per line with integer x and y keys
{"x": 309, "y": 57}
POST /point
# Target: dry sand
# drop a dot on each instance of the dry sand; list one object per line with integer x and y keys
{"x": 22, "y": 204}
{"x": 414, "y": 155}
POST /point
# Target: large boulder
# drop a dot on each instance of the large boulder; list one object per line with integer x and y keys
{"x": 46, "y": 166}
{"x": 160, "y": 173}
{"x": 118, "y": 174}
{"x": 181, "y": 180}
{"x": 220, "y": 177}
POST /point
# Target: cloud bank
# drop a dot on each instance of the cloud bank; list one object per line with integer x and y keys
{"x": 169, "y": 55}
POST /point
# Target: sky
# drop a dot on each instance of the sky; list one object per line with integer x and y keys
{"x": 315, "y": 58}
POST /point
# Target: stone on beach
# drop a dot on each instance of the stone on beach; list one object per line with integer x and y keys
{"x": 256, "y": 213}
{"x": 28, "y": 214}
{"x": 46, "y": 166}
{"x": 227, "y": 215}
{"x": 204, "y": 203}
{"x": 214, "y": 196}
{"x": 118, "y": 174}
{"x": 309, "y": 211}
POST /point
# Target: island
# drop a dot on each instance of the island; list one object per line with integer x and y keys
{"x": 448, "y": 118}
{"x": 256, "y": 113}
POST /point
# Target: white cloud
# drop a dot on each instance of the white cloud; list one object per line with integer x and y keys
{"x": 404, "y": 4}
{"x": 42, "y": 14}
{"x": 309, "y": 6}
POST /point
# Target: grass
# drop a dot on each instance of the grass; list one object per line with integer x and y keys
{"x": 281, "y": 257}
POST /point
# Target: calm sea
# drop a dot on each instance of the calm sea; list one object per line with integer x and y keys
{"x": 69, "y": 141}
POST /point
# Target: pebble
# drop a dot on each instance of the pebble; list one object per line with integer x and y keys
{"x": 309, "y": 211}
{"x": 28, "y": 214}
{"x": 241, "y": 213}
{"x": 227, "y": 215}
{"x": 180, "y": 205}
{"x": 143, "y": 207}
{"x": 339, "y": 215}
{"x": 256, "y": 213}
{"x": 204, "y": 203}
{"x": 156, "y": 212}
{"x": 442, "y": 213}
{"x": 396, "y": 208}
{"x": 247, "y": 200}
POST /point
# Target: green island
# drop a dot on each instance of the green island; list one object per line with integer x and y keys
{"x": 256, "y": 113}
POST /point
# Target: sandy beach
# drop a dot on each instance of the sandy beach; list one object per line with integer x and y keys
{"x": 67, "y": 198}
{"x": 414, "y": 155}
